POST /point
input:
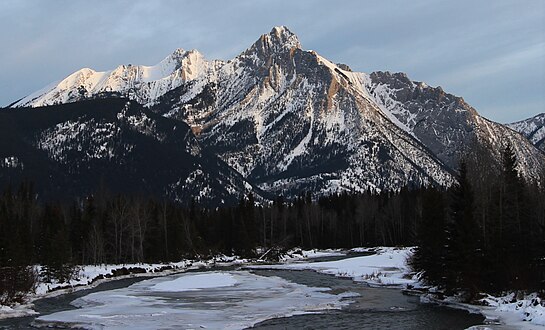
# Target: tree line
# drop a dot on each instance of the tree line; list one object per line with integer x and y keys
{"x": 115, "y": 229}
{"x": 485, "y": 233}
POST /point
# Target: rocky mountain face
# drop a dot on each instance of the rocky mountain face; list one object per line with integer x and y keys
{"x": 287, "y": 119}
{"x": 114, "y": 144}
{"x": 445, "y": 123}
{"x": 533, "y": 129}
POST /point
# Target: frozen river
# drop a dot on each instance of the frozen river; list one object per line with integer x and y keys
{"x": 212, "y": 300}
{"x": 238, "y": 298}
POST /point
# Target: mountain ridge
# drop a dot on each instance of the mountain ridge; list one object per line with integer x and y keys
{"x": 289, "y": 120}
{"x": 533, "y": 129}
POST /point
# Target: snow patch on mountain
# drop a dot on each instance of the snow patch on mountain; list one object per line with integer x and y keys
{"x": 391, "y": 108}
{"x": 67, "y": 138}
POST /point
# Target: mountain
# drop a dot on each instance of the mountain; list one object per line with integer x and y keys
{"x": 446, "y": 124}
{"x": 533, "y": 129}
{"x": 289, "y": 120}
{"x": 79, "y": 148}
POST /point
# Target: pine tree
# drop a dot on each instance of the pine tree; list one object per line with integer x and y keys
{"x": 464, "y": 253}
{"x": 515, "y": 224}
{"x": 55, "y": 248}
{"x": 429, "y": 256}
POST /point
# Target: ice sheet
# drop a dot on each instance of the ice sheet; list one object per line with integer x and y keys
{"x": 193, "y": 282}
{"x": 250, "y": 300}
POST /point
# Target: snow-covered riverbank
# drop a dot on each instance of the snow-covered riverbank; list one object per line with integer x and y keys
{"x": 387, "y": 267}
{"x": 384, "y": 267}
{"x": 527, "y": 312}
{"x": 92, "y": 275}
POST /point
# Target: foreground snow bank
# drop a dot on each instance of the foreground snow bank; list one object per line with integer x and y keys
{"x": 525, "y": 313}
{"x": 16, "y": 311}
{"x": 246, "y": 300}
{"x": 505, "y": 312}
{"x": 387, "y": 267}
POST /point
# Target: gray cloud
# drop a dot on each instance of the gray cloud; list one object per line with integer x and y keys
{"x": 491, "y": 53}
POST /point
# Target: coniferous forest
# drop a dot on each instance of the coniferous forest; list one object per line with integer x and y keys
{"x": 485, "y": 233}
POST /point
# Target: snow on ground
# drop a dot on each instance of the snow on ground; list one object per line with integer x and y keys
{"x": 91, "y": 275}
{"x": 385, "y": 268}
{"x": 502, "y": 313}
{"x": 238, "y": 299}
{"x": 196, "y": 282}
{"x": 525, "y": 313}
{"x": 388, "y": 268}
{"x": 16, "y": 311}
{"x": 250, "y": 300}
{"x": 85, "y": 275}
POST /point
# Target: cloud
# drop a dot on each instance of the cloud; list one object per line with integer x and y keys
{"x": 497, "y": 66}
{"x": 452, "y": 44}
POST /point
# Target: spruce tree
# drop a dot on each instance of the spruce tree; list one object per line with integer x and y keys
{"x": 464, "y": 253}
{"x": 429, "y": 256}
{"x": 514, "y": 238}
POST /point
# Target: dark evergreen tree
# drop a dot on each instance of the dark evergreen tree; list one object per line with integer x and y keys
{"x": 510, "y": 248}
{"x": 17, "y": 276}
{"x": 429, "y": 256}
{"x": 464, "y": 251}
{"x": 55, "y": 247}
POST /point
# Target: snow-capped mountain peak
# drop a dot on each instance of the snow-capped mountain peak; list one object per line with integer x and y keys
{"x": 281, "y": 35}
{"x": 279, "y": 40}
{"x": 192, "y": 63}
{"x": 140, "y": 82}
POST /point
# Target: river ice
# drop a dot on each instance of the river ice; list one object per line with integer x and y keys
{"x": 207, "y": 280}
{"x": 214, "y": 300}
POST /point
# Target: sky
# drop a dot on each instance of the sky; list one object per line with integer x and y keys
{"x": 492, "y": 53}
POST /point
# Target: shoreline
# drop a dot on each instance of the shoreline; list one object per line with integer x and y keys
{"x": 300, "y": 260}
{"x": 107, "y": 275}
